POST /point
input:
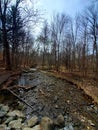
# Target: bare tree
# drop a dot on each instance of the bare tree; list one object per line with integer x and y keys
{"x": 3, "y": 18}
{"x": 74, "y": 27}
{"x": 16, "y": 31}
{"x": 92, "y": 17}
{"x": 58, "y": 28}
{"x": 84, "y": 44}
{"x": 14, "y": 19}
{"x": 67, "y": 52}
{"x": 44, "y": 39}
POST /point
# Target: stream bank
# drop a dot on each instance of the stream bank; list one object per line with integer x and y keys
{"x": 50, "y": 96}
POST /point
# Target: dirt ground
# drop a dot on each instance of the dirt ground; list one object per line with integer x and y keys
{"x": 54, "y": 95}
{"x": 88, "y": 84}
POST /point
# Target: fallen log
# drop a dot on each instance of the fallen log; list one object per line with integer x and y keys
{"x": 16, "y": 87}
{"x": 26, "y": 88}
{"x": 19, "y": 97}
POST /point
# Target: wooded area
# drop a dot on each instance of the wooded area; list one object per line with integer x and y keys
{"x": 63, "y": 44}
{"x": 48, "y": 67}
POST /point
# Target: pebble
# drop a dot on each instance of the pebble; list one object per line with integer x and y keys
{"x": 56, "y": 106}
{"x": 55, "y": 99}
{"x": 33, "y": 121}
{"x": 15, "y": 124}
{"x": 16, "y": 113}
{"x": 2, "y": 114}
{"x": 91, "y": 123}
{"x": 59, "y": 121}
{"x": 9, "y": 119}
{"x": 5, "y": 108}
{"x": 46, "y": 124}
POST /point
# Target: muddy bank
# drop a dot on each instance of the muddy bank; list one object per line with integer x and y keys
{"x": 7, "y": 78}
{"x": 87, "y": 84}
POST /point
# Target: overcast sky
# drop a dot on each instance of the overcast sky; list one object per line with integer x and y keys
{"x": 49, "y": 7}
{"x": 70, "y": 7}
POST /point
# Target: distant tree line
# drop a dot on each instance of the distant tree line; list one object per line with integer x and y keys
{"x": 63, "y": 43}
{"x": 72, "y": 45}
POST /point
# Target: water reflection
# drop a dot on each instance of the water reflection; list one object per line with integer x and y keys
{"x": 25, "y": 80}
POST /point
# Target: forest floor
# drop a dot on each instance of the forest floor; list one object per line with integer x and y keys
{"x": 88, "y": 84}
{"x": 56, "y": 93}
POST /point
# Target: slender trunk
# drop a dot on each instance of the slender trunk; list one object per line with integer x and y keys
{"x": 13, "y": 55}
{"x": 55, "y": 55}
{"x": 4, "y": 56}
{"x": 96, "y": 49}
{"x": 6, "y": 49}
{"x": 43, "y": 60}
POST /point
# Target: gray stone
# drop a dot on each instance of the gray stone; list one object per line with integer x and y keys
{"x": 69, "y": 127}
{"x": 27, "y": 128}
{"x": 7, "y": 128}
{"x": 5, "y": 108}
{"x": 96, "y": 109}
{"x": 56, "y": 106}
{"x": 46, "y": 124}
{"x": 15, "y": 124}
{"x": 24, "y": 125}
{"x": 37, "y": 127}
{"x": 2, "y": 113}
{"x": 1, "y": 106}
{"x": 9, "y": 119}
{"x": 20, "y": 106}
{"x": 55, "y": 99}
{"x": 32, "y": 70}
{"x": 91, "y": 123}
{"x": 59, "y": 121}
{"x": 33, "y": 121}
{"x": 16, "y": 113}
{"x": 3, "y": 127}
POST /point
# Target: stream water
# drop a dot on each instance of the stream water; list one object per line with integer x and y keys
{"x": 37, "y": 97}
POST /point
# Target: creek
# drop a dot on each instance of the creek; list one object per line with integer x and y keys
{"x": 50, "y": 96}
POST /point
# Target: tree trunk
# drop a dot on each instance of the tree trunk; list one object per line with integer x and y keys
{"x": 6, "y": 50}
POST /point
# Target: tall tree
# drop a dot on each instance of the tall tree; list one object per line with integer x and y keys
{"x": 17, "y": 30}
{"x": 3, "y": 17}
{"x": 58, "y": 28}
{"x": 74, "y": 27}
{"x": 92, "y": 17}
{"x": 44, "y": 39}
